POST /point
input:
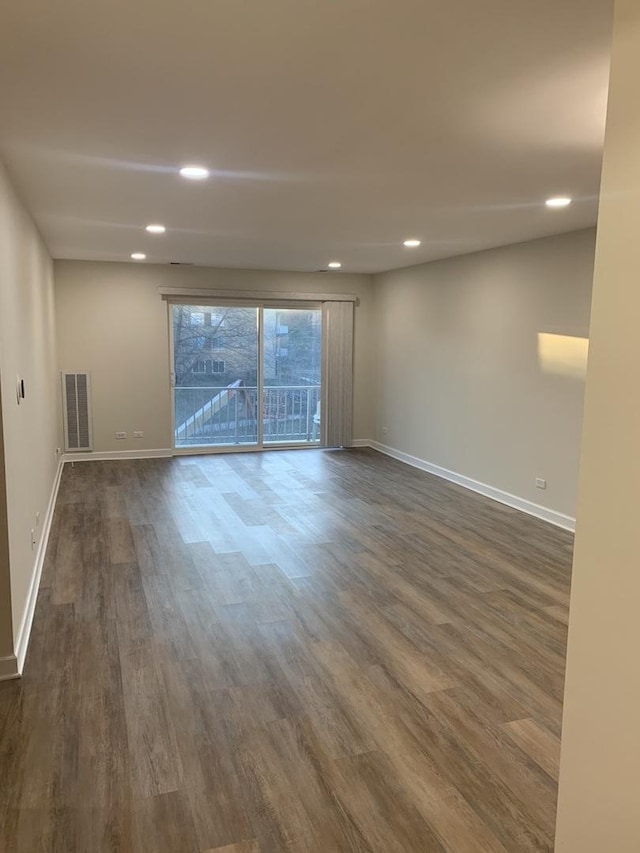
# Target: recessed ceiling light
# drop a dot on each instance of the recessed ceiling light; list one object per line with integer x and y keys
{"x": 334, "y": 265}
{"x": 155, "y": 229}
{"x": 194, "y": 173}
{"x": 412, "y": 244}
{"x": 138, "y": 256}
{"x": 558, "y": 201}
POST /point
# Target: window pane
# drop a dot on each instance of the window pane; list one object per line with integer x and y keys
{"x": 216, "y": 399}
{"x": 292, "y": 367}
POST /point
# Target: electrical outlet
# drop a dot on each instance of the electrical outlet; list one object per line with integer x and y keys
{"x": 385, "y": 430}
{"x": 139, "y": 433}
{"x": 121, "y": 435}
{"x": 540, "y": 483}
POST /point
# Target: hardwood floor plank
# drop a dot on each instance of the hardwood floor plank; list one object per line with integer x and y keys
{"x": 121, "y": 548}
{"x": 384, "y": 817}
{"x": 164, "y": 822}
{"x": 538, "y": 743}
{"x": 156, "y": 765}
{"x": 242, "y": 847}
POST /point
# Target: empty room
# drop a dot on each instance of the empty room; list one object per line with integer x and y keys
{"x": 319, "y": 418}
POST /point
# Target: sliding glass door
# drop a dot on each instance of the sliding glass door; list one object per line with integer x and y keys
{"x": 246, "y": 376}
{"x": 216, "y": 366}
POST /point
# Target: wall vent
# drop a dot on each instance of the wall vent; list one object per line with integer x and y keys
{"x": 76, "y": 404}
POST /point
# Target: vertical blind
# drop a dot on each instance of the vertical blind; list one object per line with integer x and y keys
{"x": 337, "y": 405}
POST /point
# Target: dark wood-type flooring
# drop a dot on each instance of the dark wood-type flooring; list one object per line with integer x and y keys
{"x": 288, "y": 651}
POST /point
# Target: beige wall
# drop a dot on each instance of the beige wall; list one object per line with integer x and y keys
{"x": 27, "y": 338}
{"x": 599, "y": 804}
{"x": 111, "y": 321}
{"x": 462, "y": 383}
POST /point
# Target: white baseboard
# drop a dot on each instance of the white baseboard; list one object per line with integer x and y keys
{"x": 106, "y": 455}
{"x": 8, "y": 668}
{"x": 567, "y": 522}
{"x": 27, "y": 617}
{"x": 362, "y": 442}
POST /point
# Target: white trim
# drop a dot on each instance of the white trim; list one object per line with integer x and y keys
{"x": 558, "y": 519}
{"x": 105, "y": 455}
{"x": 8, "y": 668}
{"x": 361, "y": 442}
{"x": 24, "y": 633}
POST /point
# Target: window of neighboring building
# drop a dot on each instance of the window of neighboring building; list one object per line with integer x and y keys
{"x": 208, "y": 365}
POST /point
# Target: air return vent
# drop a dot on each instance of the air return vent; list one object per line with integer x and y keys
{"x": 76, "y": 402}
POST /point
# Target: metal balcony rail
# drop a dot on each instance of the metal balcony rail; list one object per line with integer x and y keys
{"x": 216, "y": 415}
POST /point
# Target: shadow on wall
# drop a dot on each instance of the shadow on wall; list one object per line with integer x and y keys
{"x": 563, "y": 355}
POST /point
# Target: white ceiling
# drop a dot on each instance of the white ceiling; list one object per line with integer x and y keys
{"x": 334, "y": 128}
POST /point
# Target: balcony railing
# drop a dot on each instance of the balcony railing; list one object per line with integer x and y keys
{"x": 228, "y": 415}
